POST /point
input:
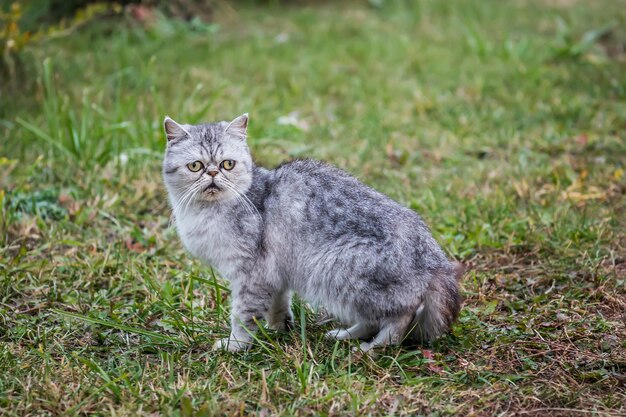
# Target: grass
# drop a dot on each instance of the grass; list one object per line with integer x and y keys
{"x": 502, "y": 123}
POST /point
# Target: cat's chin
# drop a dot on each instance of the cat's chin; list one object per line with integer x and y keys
{"x": 212, "y": 192}
{"x": 214, "y": 195}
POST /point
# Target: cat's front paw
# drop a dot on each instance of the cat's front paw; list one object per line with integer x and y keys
{"x": 231, "y": 345}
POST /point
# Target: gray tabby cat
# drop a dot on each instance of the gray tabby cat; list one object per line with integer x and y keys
{"x": 309, "y": 228}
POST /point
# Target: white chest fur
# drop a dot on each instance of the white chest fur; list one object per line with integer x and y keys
{"x": 209, "y": 238}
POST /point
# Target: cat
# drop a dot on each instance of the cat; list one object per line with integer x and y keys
{"x": 309, "y": 228}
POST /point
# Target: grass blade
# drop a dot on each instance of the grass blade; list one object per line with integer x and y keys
{"x": 119, "y": 326}
{"x": 40, "y": 134}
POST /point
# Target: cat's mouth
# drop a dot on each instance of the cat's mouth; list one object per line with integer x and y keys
{"x": 212, "y": 188}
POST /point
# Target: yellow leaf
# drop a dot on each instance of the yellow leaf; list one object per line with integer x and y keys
{"x": 619, "y": 173}
{"x": 576, "y": 196}
{"x": 6, "y": 161}
{"x": 521, "y": 188}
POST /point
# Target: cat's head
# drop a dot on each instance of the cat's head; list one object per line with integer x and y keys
{"x": 206, "y": 163}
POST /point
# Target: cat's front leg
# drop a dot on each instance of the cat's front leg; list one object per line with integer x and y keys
{"x": 250, "y": 303}
{"x": 240, "y": 337}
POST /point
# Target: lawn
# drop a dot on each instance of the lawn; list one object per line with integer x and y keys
{"x": 502, "y": 122}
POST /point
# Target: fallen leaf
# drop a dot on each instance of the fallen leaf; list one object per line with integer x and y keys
{"x": 431, "y": 365}
{"x": 582, "y": 140}
{"x": 134, "y": 246}
{"x": 69, "y": 203}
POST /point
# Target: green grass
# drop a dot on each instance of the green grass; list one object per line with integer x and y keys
{"x": 502, "y": 123}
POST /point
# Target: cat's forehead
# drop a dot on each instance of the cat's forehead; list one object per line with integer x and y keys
{"x": 207, "y": 142}
{"x": 209, "y": 131}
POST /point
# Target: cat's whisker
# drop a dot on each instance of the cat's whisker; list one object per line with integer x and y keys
{"x": 244, "y": 203}
{"x": 251, "y": 208}
{"x": 193, "y": 194}
{"x": 182, "y": 199}
{"x": 187, "y": 196}
{"x": 249, "y": 203}
{"x": 187, "y": 192}
{"x": 184, "y": 193}
{"x": 237, "y": 194}
{"x": 238, "y": 197}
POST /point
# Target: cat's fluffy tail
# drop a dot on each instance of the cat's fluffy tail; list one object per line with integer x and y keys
{"x": 440, "y": 305}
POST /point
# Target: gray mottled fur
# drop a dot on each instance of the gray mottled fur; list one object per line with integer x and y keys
{"x": 309, "y": 228}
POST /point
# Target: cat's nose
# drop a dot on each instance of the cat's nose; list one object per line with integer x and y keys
{"x": 212, "y": 173}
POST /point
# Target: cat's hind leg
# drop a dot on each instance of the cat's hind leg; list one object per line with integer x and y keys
{"x": 279, "y": 316}
{"x": 392, "y": 332}
{"x": 361, "y": 330}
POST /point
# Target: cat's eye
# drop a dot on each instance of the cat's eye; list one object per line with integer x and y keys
{"x": 195, "y": 166}
{"x": 228, "y": 164}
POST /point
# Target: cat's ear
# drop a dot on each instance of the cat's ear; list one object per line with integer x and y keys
{"x": 238, "y": 127}
{"x": 173, "y": 130}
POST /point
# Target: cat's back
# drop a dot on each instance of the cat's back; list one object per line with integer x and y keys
{"x": 328, "y": 201}
{"x": 321, "y": 179}
{"x": 306, "y": 167}
{"x": 329, "y": 187}
{"x": 326, "y": 204}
